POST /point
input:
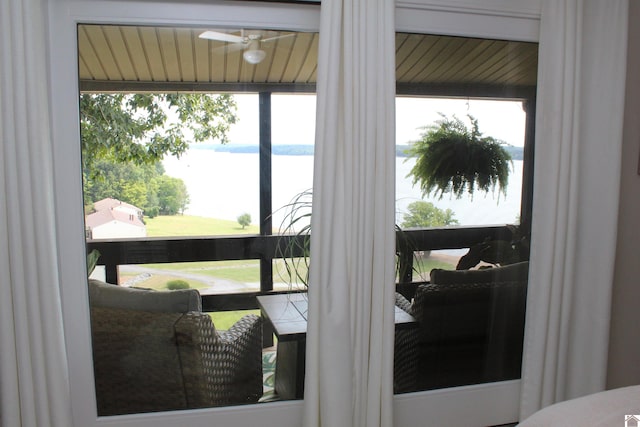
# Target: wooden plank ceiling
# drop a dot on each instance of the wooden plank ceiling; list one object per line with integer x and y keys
{"x": 115, "y": 57}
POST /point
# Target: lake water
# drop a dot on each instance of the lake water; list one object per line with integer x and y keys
{"x": 225, "y": 185}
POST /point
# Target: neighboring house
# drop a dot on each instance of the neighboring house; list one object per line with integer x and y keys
{"x": 113, "y": 218}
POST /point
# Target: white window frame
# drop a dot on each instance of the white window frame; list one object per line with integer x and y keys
{"x": 485, "y": 404}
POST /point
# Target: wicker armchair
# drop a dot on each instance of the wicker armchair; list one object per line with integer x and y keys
{"x": 471, "y": 325}
{"x": 160, "y": 359}
{"x": 405, "y": 354}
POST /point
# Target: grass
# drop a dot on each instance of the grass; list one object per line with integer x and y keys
{"x": 424, "y": 265}
{"x": 223, "y": 320}
{"x": 240, "y": 271}
{"x": 186, "y": 225}
{"x": 158, "y": 282}
{"x": 244, "y": 271}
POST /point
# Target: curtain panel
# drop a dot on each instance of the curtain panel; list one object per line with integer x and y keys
{"x": 575, "y": 208}
{"x": 349, "y": 372}
{"x": 33, "y": 371}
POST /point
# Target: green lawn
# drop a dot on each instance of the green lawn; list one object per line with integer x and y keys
{"x": 244, "y": 271}
{"x": 423, "y": 266}
{"x": 158, "y": 282}
{"x": 240, "y": 271}
{"x": 186, "y": 225}
{"x": 223, "y": 320}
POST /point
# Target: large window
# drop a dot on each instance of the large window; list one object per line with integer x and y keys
{"x": 521, "y": 25}
{"x": 463, "y": 203}
{"x": 179, "y": 185}
{"x": 199, "y": 174}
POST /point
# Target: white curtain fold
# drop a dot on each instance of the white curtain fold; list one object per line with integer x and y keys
{"x": 33, "y": 371}
{"x": 582, "y": 65}
{"x": 349, "y": 372}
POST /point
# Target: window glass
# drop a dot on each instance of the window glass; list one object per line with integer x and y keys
{"x": 293, "y": 128}
{"x": 502, "y": 120}
{"x": 191, "y": 142}
{"x": 186, "y": 212}
{"x": 462, "y": 190}
{"x": 222, "y": 179}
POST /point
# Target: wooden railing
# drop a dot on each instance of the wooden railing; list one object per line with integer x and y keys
{"x": 151, "y": 250}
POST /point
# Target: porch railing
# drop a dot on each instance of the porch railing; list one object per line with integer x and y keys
{"x": 151, "y": 250}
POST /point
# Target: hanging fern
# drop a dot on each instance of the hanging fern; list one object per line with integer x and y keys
{"x": 452, "y": 158}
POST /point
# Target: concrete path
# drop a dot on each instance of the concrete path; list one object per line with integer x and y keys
{"x": 214, "y": 284}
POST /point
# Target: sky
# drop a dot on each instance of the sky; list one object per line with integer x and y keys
{"x": 293, "y": 118}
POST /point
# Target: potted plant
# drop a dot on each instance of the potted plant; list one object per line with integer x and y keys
{"x": 295, "y": 243}
{"x": 453, "y": 158}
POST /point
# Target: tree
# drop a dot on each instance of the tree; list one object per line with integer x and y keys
{"x": 244, "y": 220}
{"x": 450, "y": 157}
{"x": 124, "y": 181}
{"x": 143, "y": 186}
{"x": 142, "y": 128}
{"x": 425, "y": 214}
{"x": 173, "y": 197}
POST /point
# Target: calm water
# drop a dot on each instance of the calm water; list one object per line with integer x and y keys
{"x": 225, "y": 185}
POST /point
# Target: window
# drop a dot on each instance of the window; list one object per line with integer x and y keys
{"x": 178, "y": 187}
{"x": 519, "y": 22}
{"x": 463, "y": 188}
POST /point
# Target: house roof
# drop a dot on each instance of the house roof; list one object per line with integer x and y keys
{"x": 144, "y": 58}
{"x": 106, "y": 216}
{"x": 110, "y": 203}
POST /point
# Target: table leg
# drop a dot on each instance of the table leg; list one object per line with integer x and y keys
{"x": 289, "y": 381}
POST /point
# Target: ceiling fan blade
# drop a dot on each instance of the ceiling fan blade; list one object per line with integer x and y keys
{"x": 229, "y": 48}
{"x": 214, "y": 35}
{"x": 278, "y": 37}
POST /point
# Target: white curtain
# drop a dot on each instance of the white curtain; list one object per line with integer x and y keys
{"x": 582, "y": 65}
{"x": 350, "y": 330}
{"x": 33, "y": 371}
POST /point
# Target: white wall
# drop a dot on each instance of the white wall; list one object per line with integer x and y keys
{"x": 116, "y": 229}
{"x": 127, "y": 210}
{"x": 624, "y": 346}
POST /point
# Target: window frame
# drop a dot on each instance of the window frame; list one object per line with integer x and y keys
{"x": 486, "y": 404}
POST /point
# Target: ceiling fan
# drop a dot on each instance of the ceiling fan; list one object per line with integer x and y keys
{"x": 250, "y": 41}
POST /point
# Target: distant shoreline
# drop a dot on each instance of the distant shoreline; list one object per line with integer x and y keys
{"x": 307, "y": 149}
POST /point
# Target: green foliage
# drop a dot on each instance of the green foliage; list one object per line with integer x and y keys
{"x": 244, "y": 220}
{"x": 294, "y": 246}
{"x": 173, "y": 197}
{"x": 152, "y": 212}
{"x": 294, "y": 249}
{"x": 92, "y": 260}
{"x": 425, "y": 214}
{"x": 143, "y": 186}
{"x": 177, "y": 284}
{"x": 452, "y": 158}
{"x": 125, "y": 136}
{"x": 122, "y": 181}
{"x": 138, "y": 128}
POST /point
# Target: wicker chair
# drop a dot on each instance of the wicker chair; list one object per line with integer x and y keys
{"x": 405, "y": 354}
{"x": 471, "y": 325}
{"x": 168, "y": 355}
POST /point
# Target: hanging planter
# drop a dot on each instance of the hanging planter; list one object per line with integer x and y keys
{"x": 452, "y": 158}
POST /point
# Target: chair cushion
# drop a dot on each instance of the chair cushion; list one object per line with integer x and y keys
{"x": 508, "y": 273}
{"x": 179, "y": 301}
{"x": 136, "y": 362}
